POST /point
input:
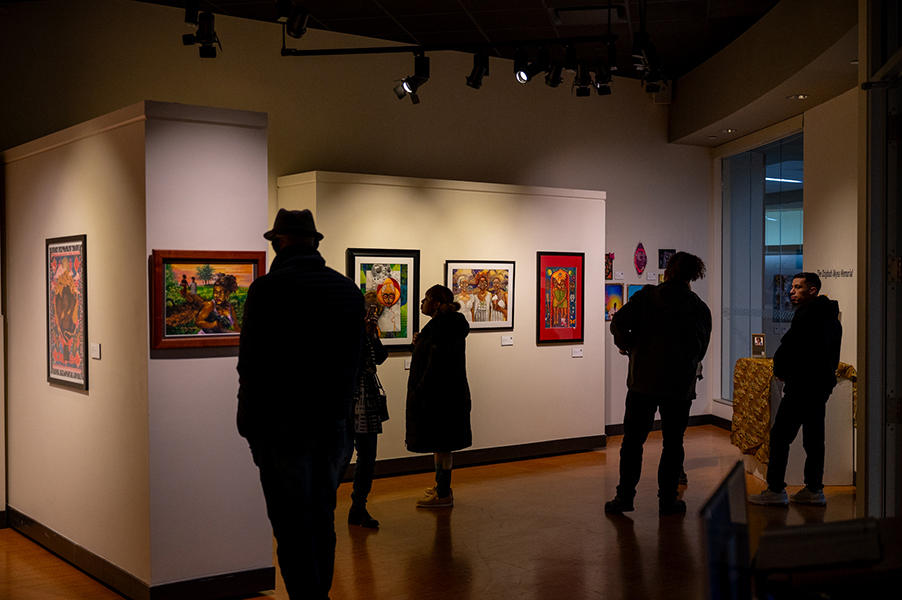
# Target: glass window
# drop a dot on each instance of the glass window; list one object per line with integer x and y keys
{"x": 762, "y": 248}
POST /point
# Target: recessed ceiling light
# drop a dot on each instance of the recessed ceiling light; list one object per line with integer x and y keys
{"x": 712, "y": 137}
{"x": 728, "y": 130}
{"x": 797, "y": 97}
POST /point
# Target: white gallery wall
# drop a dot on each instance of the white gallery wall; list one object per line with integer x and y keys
{"x": 206, "y": 190}
{"x": 831, "y": 208}
{"x": 145, "y": 469}
{"x": 340, "y": 114}
{"x": 78, "y": 461}
{"x": 522, "y": 393}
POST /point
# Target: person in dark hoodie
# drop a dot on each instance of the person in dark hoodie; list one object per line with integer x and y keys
{"x": 438, "y": 395}
{"x": 665, "y": 330}
{"x": 806, "y": 362}
{"x": 298, "y": 358}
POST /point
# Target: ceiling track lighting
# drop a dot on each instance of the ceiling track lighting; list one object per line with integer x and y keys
{"x": 205, "y": 37}
{"x": 554, "y": 77}
{"x": 410, "y": 85}
{"x": 480, "y": 70}
{"x": 296, "y": 25}
{"x": 583, "y": 80}
{"x": 526, "y": 72}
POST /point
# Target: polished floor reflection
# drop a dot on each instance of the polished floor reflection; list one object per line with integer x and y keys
{"x": 533, "y": 529}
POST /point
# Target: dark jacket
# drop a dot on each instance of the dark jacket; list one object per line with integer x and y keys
{"x": 300, "y": 345}
{"x": 666, "y": 330}
{"x": 809, "y": 351}
{"x": 438, "y": 396}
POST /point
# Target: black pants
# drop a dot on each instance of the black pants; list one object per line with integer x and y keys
{"x": 637, "y": 423}
{"x": 300, "y": 477}
{"x": 800, "y": 408}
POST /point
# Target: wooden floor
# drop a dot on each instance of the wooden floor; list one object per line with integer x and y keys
{"x": 526, "y": 530}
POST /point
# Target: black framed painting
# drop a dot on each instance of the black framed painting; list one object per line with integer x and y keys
{"x": 390, "y": 280}
{"x": 67, "y": 311}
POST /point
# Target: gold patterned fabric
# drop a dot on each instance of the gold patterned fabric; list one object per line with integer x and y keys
{"x": 751, "y": 404}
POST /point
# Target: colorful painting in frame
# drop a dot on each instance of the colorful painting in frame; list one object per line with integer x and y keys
{"x": 67, "y": 311}
{"x": 613, "y": 299}
{"x": 198, "y": 296}
{"x": 390, "y": 280}
{"x": 664, "y": 255}
{"x": 485, "y": 290}
{"x": 632, "y": 289}
{"x": 560, "y": 294}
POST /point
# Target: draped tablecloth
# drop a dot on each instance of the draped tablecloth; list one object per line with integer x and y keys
{"x": 752, "y": 379}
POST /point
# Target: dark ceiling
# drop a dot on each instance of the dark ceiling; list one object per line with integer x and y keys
{"x": 685, "y": 33}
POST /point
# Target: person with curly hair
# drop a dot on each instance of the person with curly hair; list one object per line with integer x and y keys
{"x": 665, "y": 330}
{"x": 218, "y": 315}
{"x": 438, "y": 395}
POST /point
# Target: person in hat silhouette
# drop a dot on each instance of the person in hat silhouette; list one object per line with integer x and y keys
{"x": 296, "y": 382}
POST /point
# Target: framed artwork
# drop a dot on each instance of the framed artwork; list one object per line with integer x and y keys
{"x": 613, "y": 299}
{"x": 485, "y": 291}
{"x": 390, "y": 280}
{"x": 632, "y": 289}
{"x": 67, "y": 311}
{"x": 660, "y": 278}
{"x": 198, "y": 296}
{"x": 609, "y": 265}
{"x": 664, "y": 257}
{"x": 560, "y": 293}
{"x": 640, "y": 259}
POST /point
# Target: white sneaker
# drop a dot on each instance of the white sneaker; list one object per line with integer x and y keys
{"x": 770, "y": 498}
{"x": 806, "y": 496}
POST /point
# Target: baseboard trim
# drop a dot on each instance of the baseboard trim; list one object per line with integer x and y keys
{"x": 693, "y": 422}
{"x": 485, "y": 456}
{"x": 204, "y": 588}
{"x": 3, "y": 522}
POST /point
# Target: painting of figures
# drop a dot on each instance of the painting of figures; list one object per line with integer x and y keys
{"x": 201, "y": 296}
{"x": 560, "y": 297}
{"x": 389, "y": 280}
{"x": 67, "y": 311}
{"x": 485, "y": 291}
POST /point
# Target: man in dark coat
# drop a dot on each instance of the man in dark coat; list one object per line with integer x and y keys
{"x": 297, "y": 364}
{"x": 665, "y": 329}
{"x": 806, "y": 362}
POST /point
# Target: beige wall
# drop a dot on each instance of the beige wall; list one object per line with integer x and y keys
{"x": 831, "y": 200}
{"x": 78, "y": 461}
{"x": 521, "y": 393}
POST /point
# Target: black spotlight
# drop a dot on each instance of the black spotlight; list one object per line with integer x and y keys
{"x": 583, "y": 80}
{"x": 540, "y": 65}
{"x": 205, "y": 37}
{"x": 603, "y": 79}
{"x": 612, "y": 56}
{"x": 480, "y": 70}
{"x": 296, "y": 26}
{"x": 521, "y": 64}
{"x": 554, "y": 77}
{"x": 410, "y": 85}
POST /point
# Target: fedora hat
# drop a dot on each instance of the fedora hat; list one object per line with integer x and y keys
{"x": 294, "y": 222}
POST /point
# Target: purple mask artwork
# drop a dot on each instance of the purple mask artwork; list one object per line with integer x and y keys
{"x": 640, "y": 259}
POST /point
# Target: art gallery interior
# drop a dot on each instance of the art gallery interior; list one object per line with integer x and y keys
{"x": 115, "y": 130}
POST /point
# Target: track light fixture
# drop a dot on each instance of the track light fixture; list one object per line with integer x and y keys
{"x": 480, "y": 70}
{"x": 205, "y": 37}
{"x": 410, "y": 85}
{"x": 554, "y": 77}
{"x": 526, "y": 73}
{"x": 296, "y": 26}
{"x": 521, "y": 63}
{"x": 603, "y": 79}
{"x": 583, "y": 80}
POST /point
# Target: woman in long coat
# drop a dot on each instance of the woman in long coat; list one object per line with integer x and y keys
{"x": 438, "y": 396}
